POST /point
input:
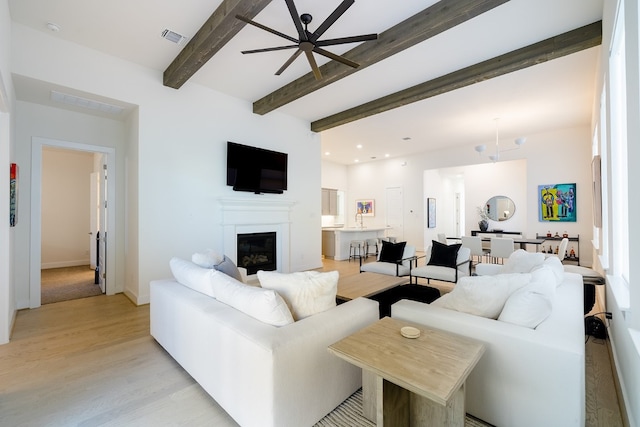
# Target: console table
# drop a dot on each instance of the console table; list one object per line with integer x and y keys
{"x": 557, "y": 239}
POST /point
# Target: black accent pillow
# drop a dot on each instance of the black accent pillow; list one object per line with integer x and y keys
{"x": 392, "y": 252}
{"x": 444, "y": 255}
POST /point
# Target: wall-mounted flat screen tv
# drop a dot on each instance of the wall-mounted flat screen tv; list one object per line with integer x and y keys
{"x": 256, "y": 170}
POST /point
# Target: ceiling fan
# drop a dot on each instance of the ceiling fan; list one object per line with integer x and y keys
{"x": 307, "y": 41}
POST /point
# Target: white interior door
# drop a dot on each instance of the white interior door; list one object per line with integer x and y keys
{"x": 94, "y": 189}
{"x": 102, "y": 227}
{"x": 395, "y": 213}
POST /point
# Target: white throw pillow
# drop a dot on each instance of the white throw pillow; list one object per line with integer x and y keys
{"x": 484, "y": 295}
{"x": 192, "y": 276}
{"x": 264, "y": 305}
{"x": 555, "y": 265}
{"x": 207, "y": 259}
{"x": 532, "y": 304}
{"x": 521, "y": 261}
{"x": 306, "y": 292}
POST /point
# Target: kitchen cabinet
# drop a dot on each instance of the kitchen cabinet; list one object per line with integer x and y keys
{"x": 328, "y": 244}
{"x": 329, "y": 201}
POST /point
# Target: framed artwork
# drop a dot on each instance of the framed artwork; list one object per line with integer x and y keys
{"x": 557, "y": 203}
{"x": 431, "y": 213}
{"x": 365, "y": 207}
{"x": 13, "y": 195}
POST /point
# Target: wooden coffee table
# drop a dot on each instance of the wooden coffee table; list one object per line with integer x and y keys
{"x": 366, "y": 284}
{"x": 417, "y": 381}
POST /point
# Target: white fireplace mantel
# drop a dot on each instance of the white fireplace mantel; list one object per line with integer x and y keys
{"x": 257, "y": 215}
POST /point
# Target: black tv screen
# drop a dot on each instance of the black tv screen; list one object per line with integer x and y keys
{"x": 256, "y": 170}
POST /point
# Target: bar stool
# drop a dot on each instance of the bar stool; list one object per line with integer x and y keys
{"x": 356, "y": 248}
{"x": 368, "y": 244}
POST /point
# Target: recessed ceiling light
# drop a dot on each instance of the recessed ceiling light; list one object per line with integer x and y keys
{"x": 387, "y": 155}
{"x": 359, "y": 146}
{"x": 326, "y": 153}
{"x": 53, "y": 27}
{"x": 356, "y": 160}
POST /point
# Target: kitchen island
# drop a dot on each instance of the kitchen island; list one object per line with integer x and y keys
{"x": 342, "y": 237}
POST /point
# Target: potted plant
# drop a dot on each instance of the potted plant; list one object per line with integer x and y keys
{"x": 484, "y": 219}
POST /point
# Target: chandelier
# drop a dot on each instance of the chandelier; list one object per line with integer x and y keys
{"x": 495, "y": 157}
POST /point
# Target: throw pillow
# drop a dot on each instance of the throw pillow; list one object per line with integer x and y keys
{"x": 306, "y": 292}
{"x": 532, "y": 304}
{"x": 207, "y": 259}
{"x": 392, "y": 252}
{"x": 229, "y": 268}
{"x": 556, "y": 267}
{"x": 444, "y": 255}
{"x": 521, "y": 261}
{"x": 483, "y": 295}
{"x": 192, "y": 276}
{"x": 264, "y": 305}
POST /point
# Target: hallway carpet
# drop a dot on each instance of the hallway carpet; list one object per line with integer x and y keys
{"x": 67, "y": 283}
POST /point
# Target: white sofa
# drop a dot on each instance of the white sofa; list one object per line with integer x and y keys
{"x": 260, "y": 374}
{"x": 527, "y": 377}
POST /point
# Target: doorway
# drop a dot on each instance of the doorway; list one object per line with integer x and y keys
{"x": 395, "y": 213}
{"x": 106, "y": 157}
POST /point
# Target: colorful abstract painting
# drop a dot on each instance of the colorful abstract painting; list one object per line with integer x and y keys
{"x": 365, "y": 207}
{"x": 557, "y": 202}
{"x": 13, "y": 194}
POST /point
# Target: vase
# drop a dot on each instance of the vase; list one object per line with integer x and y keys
{"x": 483, "y": 224}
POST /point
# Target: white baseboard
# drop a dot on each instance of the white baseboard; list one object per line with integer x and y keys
{"x": 61, "y": 264}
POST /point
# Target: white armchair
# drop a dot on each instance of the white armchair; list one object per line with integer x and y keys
{"x": 439, "y": 272}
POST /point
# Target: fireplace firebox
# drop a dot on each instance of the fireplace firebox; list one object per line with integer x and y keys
{"x": 257, "y": 251}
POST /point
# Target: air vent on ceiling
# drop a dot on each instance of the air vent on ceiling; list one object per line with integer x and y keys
{"x": 85, "y": 103}
{"x": 174, "y": 37}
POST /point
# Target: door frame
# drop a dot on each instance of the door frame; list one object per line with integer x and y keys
{"x": 35, "y": 256}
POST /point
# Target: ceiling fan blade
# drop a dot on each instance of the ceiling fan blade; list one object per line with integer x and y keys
{"x": 270, "y": 49}
{"x": 335, "y": 57}
{"x": 289, "y": 61}
{"x": 342, "y": 8}
{"x": 343, "y": 40}
{"x": 302, "y": 34}
{"x": 314, "y": 65}
{"x": 262, "y": 27}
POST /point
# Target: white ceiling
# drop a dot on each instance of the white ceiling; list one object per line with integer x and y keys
{"x": 552, "y": 95}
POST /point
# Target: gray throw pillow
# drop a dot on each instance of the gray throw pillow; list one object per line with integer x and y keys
{"x": 229, "y": 268}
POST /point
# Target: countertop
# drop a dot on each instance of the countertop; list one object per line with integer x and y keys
{"x": 353, "y": 229}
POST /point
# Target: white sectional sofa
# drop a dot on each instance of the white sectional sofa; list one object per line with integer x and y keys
{"x": 262, "y": 375}
{"x": 527, "y": 377}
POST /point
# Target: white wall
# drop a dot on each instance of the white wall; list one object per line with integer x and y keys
{"x": 557, "y": 156}
{"x": 175, "y": 170}
{"x": 65, "y": 207}
{"x": 7, "y": 298}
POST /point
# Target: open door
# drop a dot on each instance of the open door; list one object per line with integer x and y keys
{"x": 98, "y": 223}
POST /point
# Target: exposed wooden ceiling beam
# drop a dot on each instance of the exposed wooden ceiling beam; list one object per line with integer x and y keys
{"x": 546, "y": 50}
{"x": 433, "y": 20}
{"x": 221, "y": 27}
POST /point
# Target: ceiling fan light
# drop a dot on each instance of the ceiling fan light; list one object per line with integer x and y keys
{"x": 520, "y": 141}
{"x": 494, "y": 157}
{"x": 480, "y": 148}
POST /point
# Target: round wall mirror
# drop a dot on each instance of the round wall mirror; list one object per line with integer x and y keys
{"x": 499, "y": 208}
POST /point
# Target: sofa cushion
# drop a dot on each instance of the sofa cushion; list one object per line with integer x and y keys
{"x": 305, "y": 292}
{"x": 555, "y": 265}
{"x": 207, "y": 259}
{"x": 521, "y": 261}
{"x": 192, "y": 276}
{"x": 483, "y": 295}
{"x": 229, "y": 268}
{"x": 532, "y": 304}
{"x": 391, "y": 252}
{"x": 261, "y": 304}
{"x": 444, "y": 255}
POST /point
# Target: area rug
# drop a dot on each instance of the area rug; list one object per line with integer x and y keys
{"x": 67, "y": 283}
{"x": 349, "y": 414}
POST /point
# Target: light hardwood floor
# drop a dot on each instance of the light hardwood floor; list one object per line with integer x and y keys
{"x": 92, "y": 362}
